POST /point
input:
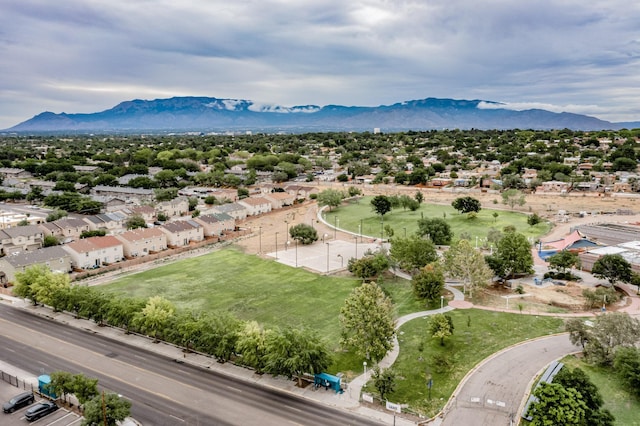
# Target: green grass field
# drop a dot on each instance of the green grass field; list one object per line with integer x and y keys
{"x": 252, "y": 288}
{"x": 477, "y": 335}
{"x": 350, "y": 216}
{"x": 622, "y": 404}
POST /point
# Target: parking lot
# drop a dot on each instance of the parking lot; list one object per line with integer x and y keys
{"x": 61, "y": 417}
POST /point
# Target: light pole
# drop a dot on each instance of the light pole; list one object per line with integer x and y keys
{"x": 341, "y": 261}
{"x": 260, "y": 238}
{"x": 324, "y": 236}
{"x": 441, "y": 302}
{"x": 327, "y": 258}
{"x": 276, "y": 246}
{"x": 364, "y": 364}
{"x": 356, "y": 238}
{"x": 381, "y": 229}
{"x": 287, "y": 236}
{"x": 335, "y": 227}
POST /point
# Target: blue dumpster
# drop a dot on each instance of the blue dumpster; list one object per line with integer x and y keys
{"x": 43, "y": 382}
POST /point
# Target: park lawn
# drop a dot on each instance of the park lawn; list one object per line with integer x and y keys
{"x": 268, "y": 292}
{"x": 477, "y": 335}
{"x": 622, "y": 404}
{"x": 358, "y": 215}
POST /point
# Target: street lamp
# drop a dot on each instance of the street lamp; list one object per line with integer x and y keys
{"x": 364, "y": 364}
{"x": 287, "y": 243}
{"x": 441, "y": 302}
{"x": 356, "y": 238}
{"x": 327, "y": 258}
{"x": 324, "y": 236}
{"x": 276, "y": 246}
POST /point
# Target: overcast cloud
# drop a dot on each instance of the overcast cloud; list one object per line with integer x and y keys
{"x": 89, "y": 55}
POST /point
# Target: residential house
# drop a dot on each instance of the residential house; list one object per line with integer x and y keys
{"x": 107, "y": 221}
{"x": 148, "y": 213}
{"x": 142, "y": 241}
{"x": 181, "y": 232}
{"x": 87, "y": 169}
{"x": 90, "y": 253}
{"x": 554, "y": 186}
{"x": 235, "y": 210}
{"x": 66, "y": 229}
{"x": 55, "y": 258}
{"x": 174, "y": 208}
{"x": 14, "y": 173}
{"x": 21, "y": 238}
{"x": 256, "y": 205}
{"x": 133, "y": 195}
{"x": 280, "y": 199}
{"x": 216, "y": 224}
{"x": 301, "y": 191}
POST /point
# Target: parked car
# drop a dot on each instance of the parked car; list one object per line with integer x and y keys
{"x": 40, "y": 410}
{"x": 18, "y": 401}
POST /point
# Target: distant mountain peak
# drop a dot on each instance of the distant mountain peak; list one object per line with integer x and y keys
{"x": 209, "y": 114}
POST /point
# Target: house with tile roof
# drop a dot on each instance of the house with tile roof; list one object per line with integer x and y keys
{"x": 173, "y": 208}
{"x": 215, "y": 224}
{"x": 21, "y": 238}
{"x": 256, "y": 205}
{"x": 279, "y": 200}
{"x": 235, "y": 210}
{"x": 55, "y": 258}
{"x": 142, "y": 241}
{"x": 94, "y": 252}
{"x": 66, "y": 229}
{"x": 181, "y": 232}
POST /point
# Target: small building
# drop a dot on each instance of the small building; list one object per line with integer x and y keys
{"x": 235, "y": 210}
{"x": 256, "y": 205}
{"x": 142, "y": 241}
{"x": 181, "y": 232}
{"x": 279, "y": 200}
{"x": 66, "y": 229}
{"x": 94, "y": 252}
{"x": 21, "y": 238}
{"x": 174, "y": 208}
{"x": 215, "y": 224}
{"x": 55, "y": 258}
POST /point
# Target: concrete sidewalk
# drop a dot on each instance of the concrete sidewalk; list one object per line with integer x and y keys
{"x": 349, "y": 400}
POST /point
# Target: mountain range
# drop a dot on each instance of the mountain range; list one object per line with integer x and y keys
{"x": 207, "y": 114}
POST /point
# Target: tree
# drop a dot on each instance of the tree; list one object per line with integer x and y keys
{"x": 368, "y": 266}
{"x": 107, "y": 409}
{"x": 613, "y": 268}
{"x": 367, "y": 322}
{"x": 303, "y": 233}
{"x": 293, "y": 352}
{"x": 465, "y": 263}
{"x": 557, "y": 405}
{"x": 61, "y": 384}
{"x": 84, "y": 388}
{"x": 626, "y": 364}
{"x": 413, "y": 252}
{"x": 428, "y": 283}
{"x": 381, "y": 205}
{"x": 436, "y": 229}
{"x": 578, "y": 380}
{"x": 136, "y": 221}
{"x": 153, "y": 318}
{"x": 251, "y": 345}
{"x": 512, "y": 255}
{"x": 609, "y": 333}
{"x": 384, "y": 381}
{"x": 563, "y": 260}
{"x": 440, "y": 327}
{"x": 513, "y": 197}
{"x": 466, "y": 204}
{"x": 330, "y": 197}
{"x": 50, "y": 241}
{"x": 419, "y": 197}
{"x": 39, "y": 284}
{"x": 578, "y": 331}
{"x": 533, "y": 219}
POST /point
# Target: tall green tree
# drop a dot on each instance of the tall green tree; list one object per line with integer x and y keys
{"x": 557, "y": 405}
{"x": 368, "y": 326}
{"x": 513, "y": 197}
{"x": 463, "y": 262}
{"x": 330, "y": 197}
{"x": 610, "y": 332}
{"x": 154, "y": 317}
{"x": 440, "y": 327}
{"x": 466, "y": 204}
{"x": 384, "y": 381}
{"x": 251, "y": 345}
{"x": 613, "y": 268}
{"x": 381, "y": 205}
{"x": 512, "y": 255}
{"x": 428, "y": 282}
{"x": 369, "y": 266}
{"x": 436, "y": 229}
{"x": 412, "y": 252}
{"x": 563, "y": 260}
{"x": 107, "y": 409}
{"x": 303, "y": 233}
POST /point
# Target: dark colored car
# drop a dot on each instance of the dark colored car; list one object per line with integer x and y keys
{"x": 18, "y": 401}
{"x": 40, "y": 410}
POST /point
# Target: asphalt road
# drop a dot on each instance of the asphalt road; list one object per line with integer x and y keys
{"x": 162, "y": 391}
{"x": 493, "y": 393}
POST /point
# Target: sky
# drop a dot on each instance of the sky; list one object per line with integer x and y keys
{"x": 83, "y": 56}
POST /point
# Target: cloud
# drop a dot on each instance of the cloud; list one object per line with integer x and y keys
{"x": 85, "y": 56}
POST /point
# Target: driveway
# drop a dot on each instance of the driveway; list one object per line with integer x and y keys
{"x": 492, "y": 393}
